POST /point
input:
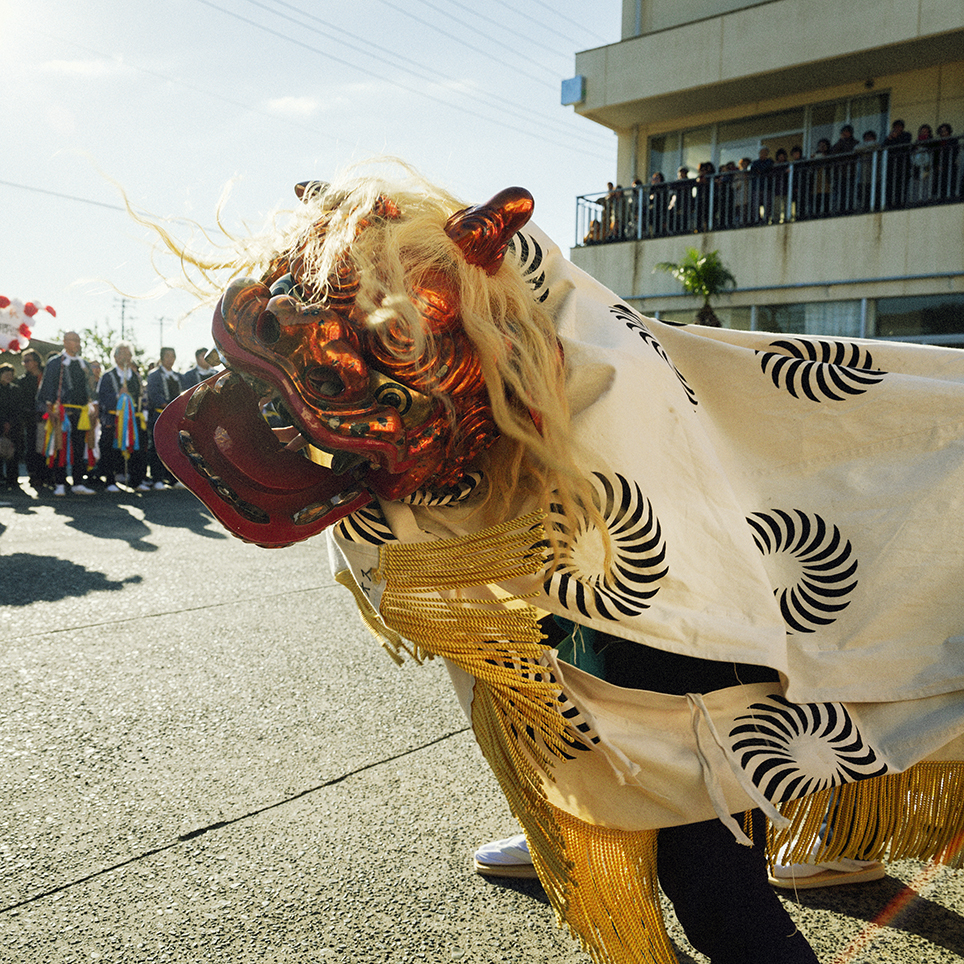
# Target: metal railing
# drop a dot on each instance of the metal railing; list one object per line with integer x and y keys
{"x": 875, "y": 179}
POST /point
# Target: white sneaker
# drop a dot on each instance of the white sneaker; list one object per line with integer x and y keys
{"x": 179, "y": 485}
{"x": 81, "y": 490}
{"x": 143, "y": 487}
{"x": 112, "y": 488}
{"x": 59, "y": 490}
{"x": 505, "y": 858}
{"x": 159, "y": 485}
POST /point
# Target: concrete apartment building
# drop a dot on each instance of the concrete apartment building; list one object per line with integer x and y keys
{"x": 867, "y": 244}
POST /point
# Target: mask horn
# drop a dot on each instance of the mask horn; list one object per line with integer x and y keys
{"x": 306, "y": 190}
{"x": 484, "y": 232}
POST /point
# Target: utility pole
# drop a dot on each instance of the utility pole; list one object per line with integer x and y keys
{"x": 123, "y": 318}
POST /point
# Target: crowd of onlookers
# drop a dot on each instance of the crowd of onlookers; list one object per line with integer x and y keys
{"x": 847, "y": 177}
{"x": 65, "y": 416}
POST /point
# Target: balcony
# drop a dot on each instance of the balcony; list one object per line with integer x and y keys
{"x": 865, "y": 182}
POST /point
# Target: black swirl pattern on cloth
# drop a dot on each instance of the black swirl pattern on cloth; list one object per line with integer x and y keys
{"x": 817, "y": 561}
{"x": 448, "y": 496}
{"x": 367, "y": 525}
{"x": 820, "y": 370}
{"x": 579, "y": 735}
{"x": 529, "y": 255}
{"x": 790, "y": 750}
{"x": 580, "y": 582}
{"x": 635, "y": 323}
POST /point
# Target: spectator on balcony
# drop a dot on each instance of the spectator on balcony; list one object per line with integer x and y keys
{"x": 620, "y": 209}
{"x": 636, "y": 196}
{"x": 847, "y": 143}
{"x": 724, "y": 195}
{"x": 606, "y": 203}
{"x": 946, "y": 152}
{"x": 780, "y": 185}
{"x": 865, "y": 169}
{"x": 946, "y": 166}
{"x": 897, "y": 145}
{"x": 844, "y": 173}
{"x": 921, "y": 166}
{"x": 741, "y": 193}
{"x": 701, "y": 193}
{"x": 595, "y": 233}
{"x": 797, "y": 176}
{"x": 679, "y": 211}
{"x": 656, "y": 207}
{"x": 820, "y": 180}
{"x": 761, "y": 197}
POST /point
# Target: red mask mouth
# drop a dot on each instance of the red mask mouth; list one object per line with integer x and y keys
{"x": 215, "y": 440}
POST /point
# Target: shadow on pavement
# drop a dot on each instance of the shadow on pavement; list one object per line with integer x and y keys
{"x": 180, "y": 509}
{"x": 532, "y": 888}
{"x": 25, "y": 578}
{"x": 106, "y": 515}
{"x": 104, "y": 520}
{"x": 910, "y": 912}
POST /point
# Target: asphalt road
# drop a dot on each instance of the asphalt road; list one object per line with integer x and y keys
{"x": 206, "y": 757}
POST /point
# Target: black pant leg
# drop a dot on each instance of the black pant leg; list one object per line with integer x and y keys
{"x": 721, "y": 896}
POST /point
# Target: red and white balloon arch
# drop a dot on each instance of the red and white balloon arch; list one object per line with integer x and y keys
{"x": 16, "y": 321}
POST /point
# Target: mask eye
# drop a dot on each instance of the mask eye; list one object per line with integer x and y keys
{"x": 397, "y": 396}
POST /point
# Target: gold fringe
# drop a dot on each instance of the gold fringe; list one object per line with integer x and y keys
{"x": 492, "y": 555}
{"x": 390, "y": 640}
{"x": 917, "y": 814}
{"x": 475, "y": 633}
{"x": 601, "y": 883}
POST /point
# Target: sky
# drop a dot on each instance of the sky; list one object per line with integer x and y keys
{"x": 172, "y": 100}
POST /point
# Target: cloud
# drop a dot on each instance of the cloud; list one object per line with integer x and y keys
{"x": 301, "y": 107}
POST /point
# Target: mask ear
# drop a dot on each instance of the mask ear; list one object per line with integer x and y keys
{"x": 484, "y": 232}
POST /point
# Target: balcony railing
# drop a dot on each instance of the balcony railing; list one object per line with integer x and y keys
{"x": 879, "y": 179}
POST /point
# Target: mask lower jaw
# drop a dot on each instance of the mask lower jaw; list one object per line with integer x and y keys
{"x": 214, "y": 440}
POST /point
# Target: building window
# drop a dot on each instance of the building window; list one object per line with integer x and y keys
{"x": 801, "y": 126}
{"x": 739, "y": 318}
{"x": 744, "y": 138}
{"x": 928, "y": 319}
{"x": 839, "y": 319}
{"x": 938, "y": 319}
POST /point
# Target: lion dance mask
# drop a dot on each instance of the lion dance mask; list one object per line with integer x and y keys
{"x": 379, "y": 409}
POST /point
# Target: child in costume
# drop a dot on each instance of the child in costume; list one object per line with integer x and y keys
{"x": 684, "y": 579}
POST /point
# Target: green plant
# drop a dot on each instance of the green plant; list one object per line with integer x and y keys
{"x": 703, "y": 275}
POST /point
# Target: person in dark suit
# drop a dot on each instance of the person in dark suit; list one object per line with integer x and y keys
{"x": 163, "y": 386}
{"x": 122, "y": 380}
{"x": 9, "y": 429}
{"x": 65, "y": 392}
{"x": 30, "y": 419}
{"x": 200, "y": 371}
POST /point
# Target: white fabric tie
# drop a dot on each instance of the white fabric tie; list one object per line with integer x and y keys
{"x": 712, "y": 755}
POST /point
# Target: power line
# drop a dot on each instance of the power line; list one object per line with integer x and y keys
{"x": 459, "y": 40}
{"x": 207, "y": 91}
{"x": 419, "y": 72}
{"x": 482, "y": 16}
{"x": 558, "y": 16}
{"x": 326, "y": 133}
{"x": 389, "y": 80}
{"x": 65, "y": 197}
